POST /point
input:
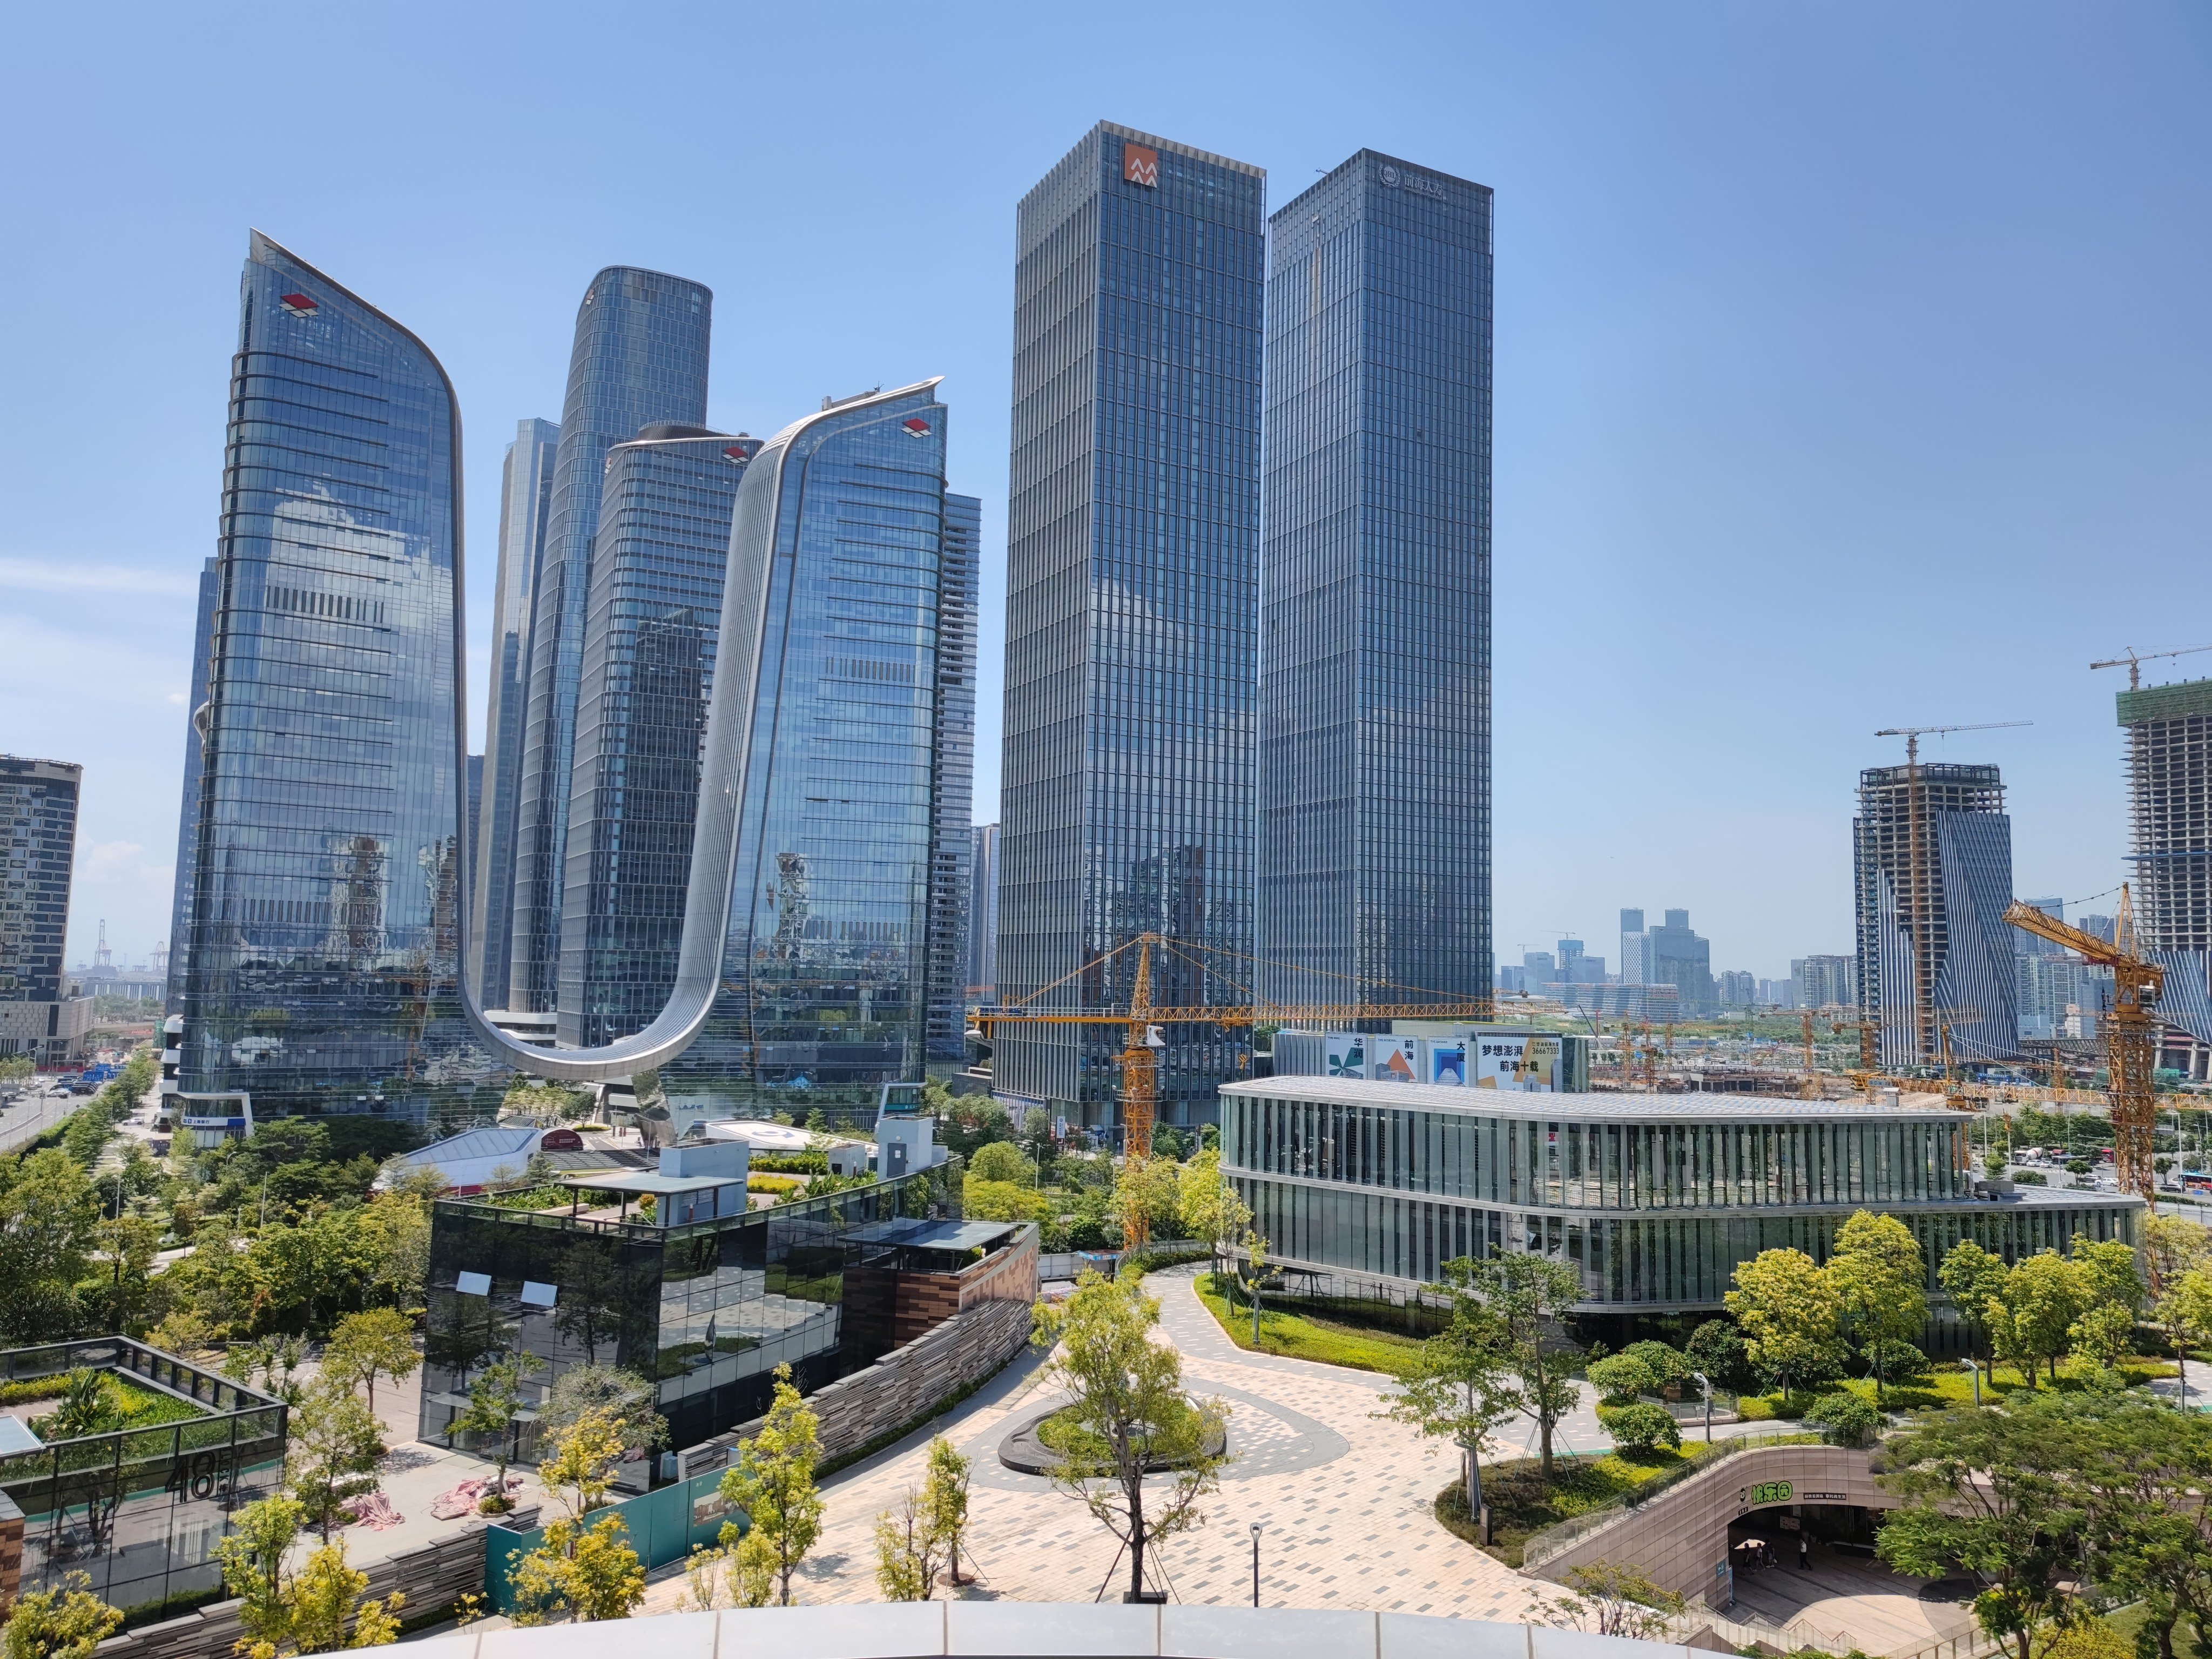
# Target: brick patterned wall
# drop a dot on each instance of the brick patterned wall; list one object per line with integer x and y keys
{"x": 11, "y": 1551}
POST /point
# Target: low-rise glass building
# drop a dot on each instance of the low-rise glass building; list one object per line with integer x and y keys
{"x": 1655, "y": 1199}
{"x": 707, "y": 1309}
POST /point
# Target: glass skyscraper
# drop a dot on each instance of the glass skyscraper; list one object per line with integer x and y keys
{"x": 639, "y": 358}
{"x": 826, "y": 966}
{"x": 1132, "y": 606}
{"x": 323, "y": 952}
{"x": 655, "y": 613}
{"x": 1375, "y": 610}
{"x": 526, "y": 505}
{"x": 188, "y": 812}
{"x": 952, "y": 862}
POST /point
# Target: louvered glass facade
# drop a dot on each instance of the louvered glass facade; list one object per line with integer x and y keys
{"x": 952, "y": 864}
{"x": 188, "y": 811}
{"x": 655, "y": 614}
{"x": 1133, "y": 607}
{"x": 1655, "y": 1204}
{"x": 826, "y": 967}
{"x": 324, "y": 949}
{"x": 526, "y": 505}
{"x": 639, "y": 357}
{"x": 1374, "y": 857}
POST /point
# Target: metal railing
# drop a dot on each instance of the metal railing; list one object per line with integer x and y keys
{"x": 1554, "y": 1540}
{"x": 1965, "y": 1640}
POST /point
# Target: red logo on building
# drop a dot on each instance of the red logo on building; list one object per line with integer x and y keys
{"x": 914, "y": 426}
{"x": 298, "y": 303}
{"x": 1140, "y": 166}
{"x": 735, "y": 453}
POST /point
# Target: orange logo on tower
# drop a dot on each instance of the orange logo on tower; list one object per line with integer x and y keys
{"x": 1140, "y": 166}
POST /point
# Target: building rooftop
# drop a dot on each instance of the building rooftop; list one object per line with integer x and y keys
{"x": 1608, "y": 1108}
{"x": 915, "y": 1235}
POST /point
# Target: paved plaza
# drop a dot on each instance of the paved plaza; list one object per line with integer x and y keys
{"x": 1343, "y": 1498}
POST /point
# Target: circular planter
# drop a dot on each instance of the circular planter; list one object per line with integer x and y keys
{"x": 1025, "y": 1451}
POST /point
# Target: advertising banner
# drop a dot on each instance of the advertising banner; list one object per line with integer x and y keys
{"x": 1446, "y": 1062}
{"x": 1396, "y": 1059}
{"x": 1524, "y": 1062}
{"x": 1347, "y": 1055}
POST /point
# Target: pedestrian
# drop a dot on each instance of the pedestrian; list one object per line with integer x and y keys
{"x": 1804, "y": 1554}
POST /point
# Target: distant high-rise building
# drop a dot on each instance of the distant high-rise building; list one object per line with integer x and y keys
{"x": 952, "y": 862}
{"x": 1778, "y": 994}
{"x": 1635, "y": 949}
{"x": 1674, "y": 955}
{"x": 1132, "y": 606}
{"x": 2034, "y": 944}
{"x": 526, "y": 507}
{"x": 39, "y": 1017}
{"x": 826, "y": 966}
{"x": 2103, "y": 927}
{"x": 1736, "y": 990}
{"x": 639, "y": 358}
{"x": 1824, "y": 982}
{"x": 2170, "y": 821}
{"x": 1539, "y": 969}
{"x": 1375, "y": 589}
{"x": 1514, "y": 981}
{"x": 324, "y": 931}
{"x": 1939, "y": 957}
{"x": 983, "y": 914}
{"x": 188, "y": 811}
{"x": 652, "y": 624}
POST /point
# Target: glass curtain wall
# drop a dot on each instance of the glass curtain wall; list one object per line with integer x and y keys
{"x": 188, "y": 814}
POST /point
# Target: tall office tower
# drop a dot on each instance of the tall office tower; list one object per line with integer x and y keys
{"x": 1132, "y": 576}
{"x": 1677, "y": 956}
{"x": 1635, "y": 966}
{"x": 1824, "y": 982}
{"x": 188, "y": 812}
{"x": 526, "y": 507}
{"x": 474, "y": 784}
{"x": 2170, "y": 820}
{"x": 952, "y": 863}
{"x": 2026, "y": 944}
{"x": 324, "y": 948}
{"x": 1934, "y": 951}
{"x": 826, "y": 982}
{"x": 651, "y": 627}
{"x": 38, "y": 816}
{"x": 982, "y": 969}
{"x": 1375, "y": 589}
{"x": 640, "y": 359}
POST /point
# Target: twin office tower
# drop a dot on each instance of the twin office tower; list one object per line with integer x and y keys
{"x": 1293, "y": 766}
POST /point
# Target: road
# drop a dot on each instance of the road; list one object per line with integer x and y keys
{"x": 32, "y": 1116}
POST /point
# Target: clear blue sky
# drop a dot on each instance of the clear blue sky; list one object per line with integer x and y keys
{"x": 1853, "y": 361}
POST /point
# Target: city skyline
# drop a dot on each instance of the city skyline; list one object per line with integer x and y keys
{"x": 1604, "y": 301}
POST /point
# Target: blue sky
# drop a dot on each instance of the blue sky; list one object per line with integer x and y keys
{"x": 1853, "y": 368}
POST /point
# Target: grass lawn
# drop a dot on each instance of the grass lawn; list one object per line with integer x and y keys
{"x": 1951, "y": 1385}
{"x": 1521, "y": 1502}
{"x": 1301, "y": 1336}
{"x": 2125, "y": 1622}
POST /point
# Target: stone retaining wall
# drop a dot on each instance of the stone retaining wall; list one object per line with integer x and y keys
{"x": 431, "y": 1578}
{"x": 901, "y": 1386}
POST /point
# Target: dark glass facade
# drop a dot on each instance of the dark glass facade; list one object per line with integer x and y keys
{"x": 1654, "y": 1203}
{"x": 1374, "y": 861}
{"x": 526, "y": 507}
{"x": 709, "y": 1310}
{"x": 324, "y": 938}
{"x": 826, "y": 988}
{"x": 1133, "y": 605}
{"x": 188, "y": 813}
{"x": 952, "y": 862}
{"x": 658, "y": 561}
{"x": 37, "y": 821}
{"x": 639, "y": 358}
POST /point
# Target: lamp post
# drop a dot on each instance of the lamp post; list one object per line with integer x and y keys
{"x": 1256, "y": 1563}
{"x": 1705, "y": 1383}
{"x": 1974, "y": 1366}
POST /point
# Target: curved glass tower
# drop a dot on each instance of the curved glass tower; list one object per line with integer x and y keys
{"x": 654, "y": 618}
{"x": 639, "y": 358}
{"x": 323, "y": 950}
{"x": 825, "y": 982}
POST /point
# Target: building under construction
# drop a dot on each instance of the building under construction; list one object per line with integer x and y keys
{"x": 2170, "y": 800}
{"x": 1932, "y": 857}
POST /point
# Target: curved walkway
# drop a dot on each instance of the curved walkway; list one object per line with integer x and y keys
{"x": 1342, "y": 1498}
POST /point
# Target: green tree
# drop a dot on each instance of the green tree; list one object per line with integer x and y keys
{"x": 1667, "y": 1366}
{"x": 325, "y": 1611}
{"x": 1528, "y": 1295}
{"x": 376, "y": 1342}
{"x": 1844, "y": 1419}
{"x": 2146, "y": 1468}
{"x": 2109, "y": 1273}
{"x": 586, "y": 1570}
{"x": 1145, "y": 1193}
{"x": 774, "y": 1483}
{"x": 494, "y": 1399}
{"x": 251, "y": 1559}
{"x": 1878, "y": 1279}
{"x": 944, "y": 1501}
{"x": 628, "y": 1397}
{"x": 1610, "y": 1599}
{"x": 1791, "y": 1317}
{"x": 2186, "y": 1310}
{"x": 1716, "y": 1349}
{"x": 1002, "y": 1160}
{"x": 335, "y": 1447}
{"x": 1641, "y": 1426}
{"x": 1128, "y": 1413}
{"x": 1621, "y": 1378}
{"x": 906, "y": 1552}
{"x": 1974, "y": 1278}
{"x": 49, "y": 1225}
{"x": 128, "y": 1244}
{"x": 1463, "y": 1384}
{"x": 1208, "y": 1204}
{"x": 2032, "y": 1321}
{"x": 1987, "y": 1492}
{"x": 65, "y": 1621}
{"x": 89, "y": 1406}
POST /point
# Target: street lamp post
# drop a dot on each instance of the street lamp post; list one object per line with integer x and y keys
{"x": 1705, "y": 1383}
{"x": 1256, "y": 1563}
{"x": 1974, "y": 1366}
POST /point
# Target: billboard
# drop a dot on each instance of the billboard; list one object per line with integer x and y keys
{"x": 1347, "y": 1055}
{"x": 1527, "y": 1063}
{"x": 1397, "y": 1060}
{"x": 1447, "y": 1063}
